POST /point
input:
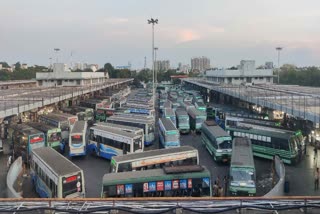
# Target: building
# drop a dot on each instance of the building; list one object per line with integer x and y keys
{"x": 162, "y": 65}
{"x": 199, "y": 64}
{"x": 246, "y": 73}
{"x": 269, "y": 65}
{"x": 184, "y": 68}
{"x": 77, "y": 66}
{"x": 62, "y": 76}
{"x": 24, "y": 66}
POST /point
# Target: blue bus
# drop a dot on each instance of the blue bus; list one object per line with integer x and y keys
{"x": 107, "y": 142}
{"x": 168, "y": 133}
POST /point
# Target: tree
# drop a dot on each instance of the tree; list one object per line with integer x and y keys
{"x": 17, "y": 66}
{"x": 110, "y": 69}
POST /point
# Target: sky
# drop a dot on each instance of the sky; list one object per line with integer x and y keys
{"x": 116, "y": 31}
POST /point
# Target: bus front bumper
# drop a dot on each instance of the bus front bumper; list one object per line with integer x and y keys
{"x": 242, "y": 191}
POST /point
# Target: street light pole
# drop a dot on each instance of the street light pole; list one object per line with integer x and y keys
{"x": 153, "y": 22}
{"x": 279, "y": 49}
{"x": 156, "y": 70}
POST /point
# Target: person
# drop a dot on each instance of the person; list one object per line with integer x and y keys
{"x": 215, "y": 189}
{"x": 221, "y": 192}
{"x": 315, "y": 151}
{"x": 9, "y": 162}
{"x": 316, "y": 179}
{"x": 62, "y": 146}
{"x": 225, "y": 182}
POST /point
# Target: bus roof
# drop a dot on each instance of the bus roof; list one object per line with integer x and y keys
{"x": 79, "y": 126}
{"x": 24, "y": 128}
{"x": 114, "y": 131}
{"x": 181, "y": 112}
{"x": 55, "y": 161}
{"x": 55, "y": 117}
{"x": 129, "y": 118}
{"x": 282, "y": 134}
{"x": 193, "y": 112}
{"x": 153, "y": 153}
{"x": 242, "y": 152}
{"x": 168, "y": 124}
{"x": 118, "y": 126}
{"x": 149, "y": 175}
{"x": 214, "y": 130}
{"x": 167, "y": 104}
{"x": 41, "y": 126}
{"x": 169, "y": 112}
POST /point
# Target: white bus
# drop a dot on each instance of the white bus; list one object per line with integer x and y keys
{"x": 107, "y": 142}
{"x": 54, "y": 176}
{"x": 144, "y": 122}
{"x": 77, "y": 139}
{"x": 179, "y": 156}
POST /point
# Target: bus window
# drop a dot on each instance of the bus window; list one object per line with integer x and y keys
{"x": 124, "y": 167}
{"x": 137, "y": 145}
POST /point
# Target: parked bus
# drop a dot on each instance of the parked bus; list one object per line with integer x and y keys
{"x": 178, "y": 156}
{"x": 54, "y": 176}
{"x": 82, "y": 113}
{"x": 200, "y": 106}
{"x": 178, "y": 181}
{"x": 268, "y": 142}
{"x": 130, "y": 129}
{"x": 167, "y": 104}
{"x": 144, "y": 122}
{"x": 25, "y": 139}
{"x": 52, "y": 134}
{"x": 168, "y": 133}
{"x": 196, "y": 119}
{"x": 91, "y": 103}
{"x": 71, "y": 118}
{"x": 175, "y": 105}
{"x": 107, "y": 142}
{"x": 217, "y": 141}
{"x": 169, "y": 113}
{"x": 242, "y": 171}
{"x": 57, "y": 121}
{"x": 183, "y": 122}
{"x": 77, "y": 139}
{"x": 103, "y": 113}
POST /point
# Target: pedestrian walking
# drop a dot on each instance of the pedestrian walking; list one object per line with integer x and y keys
{"x": 316, "y": 179}
{"x": 225, "y": 182}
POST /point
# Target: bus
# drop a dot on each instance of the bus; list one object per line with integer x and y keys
{"x": 77, "y": 139}
{"x": 175, "y": 105}
{"x": 71, "y": 118}
{"x": 52, "y": 134}
{"x": 144, "y": 122}
{"x": 183, "y": 124}
{"x": 169, "y": 113}
{"x": 103, "y": 113}
{"x": 82, "y": 113}
{"x": 217, "y": 141}
{"x": 196, "y": 119}
{"x": 268, "y": 142}
{"x": 200, "y": 106}
{"x": 57, "y": 121}
{"x": 25, "y": 139}
{"x": 130, "y": 129}
{"x": 187, "y": 105}
{"x": 168, "y": 133}
{"x": 107, "y": 142}
{"x": 54, "y": 176}
{"x": 167, "y": 104}
{"x": 184, "y": 155}
{"x": 175, "y": 181}
{"x": 242, "y": 171}
{"x": 91, "y": 103}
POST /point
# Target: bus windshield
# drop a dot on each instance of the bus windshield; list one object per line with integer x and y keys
{"x": 242, "y": 174}
{"x": 56, "y": 136}
{"x": 224, "y": 143}
{"x": 76, "y": 139}
{"x": 172, "y": 137}
{"x": 183, "y": 120}
{"x": 293, "y": 144}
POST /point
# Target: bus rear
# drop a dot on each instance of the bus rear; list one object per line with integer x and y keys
{"x": 77, "y": 139}
{"x": 242, "y": 169}
{"x": 73, "y": 185}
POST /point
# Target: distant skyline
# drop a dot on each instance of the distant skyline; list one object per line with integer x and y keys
{"x": 116, "y": 31}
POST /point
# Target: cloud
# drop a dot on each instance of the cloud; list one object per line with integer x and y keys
{"x": 116, "y": 20}
{"x": 186, "y": 35}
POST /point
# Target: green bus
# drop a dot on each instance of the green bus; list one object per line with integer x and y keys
{"x": 182, "y": 119}
{"x": 52, "y": 134}
{"x": 196, "y": 118}
{"x": 242, "y": 171}
{"x": 102, "y": 114}
{"x": 173, "y": 181}
{"x": 268, "y": 143}
{"x": 217, "y": 141}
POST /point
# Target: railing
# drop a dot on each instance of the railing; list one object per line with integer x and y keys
{"x": 164, "y": 205}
